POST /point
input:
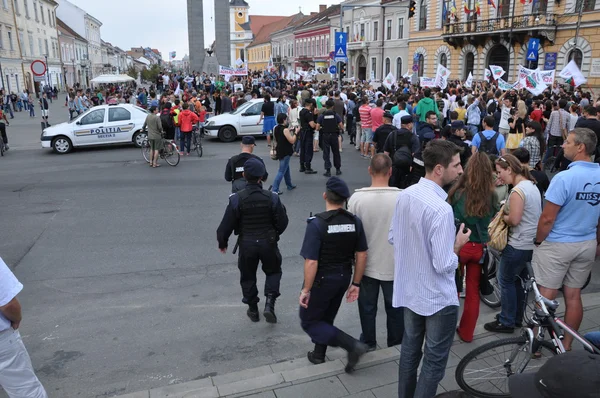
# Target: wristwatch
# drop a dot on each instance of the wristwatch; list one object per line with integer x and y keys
{"x": 355, "y": 284}
{"x": 536, "y": 243}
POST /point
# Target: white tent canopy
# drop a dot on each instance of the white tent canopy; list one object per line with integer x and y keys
{"x": 105, "y": 79}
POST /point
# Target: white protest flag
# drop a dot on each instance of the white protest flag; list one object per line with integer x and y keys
{"x": 469, "y": 81}
{"x": 407, "y": 75}
{"x": 534, "y": 83}
{"x": 547, "y": 76}
{"x": 226, "y": 77}
{"x": 572, "y": 74}
{"x": 487, "y": 75}
{"x": 239, "y": 62}
{"x": 441, "y": 77}
{"x": 523, "y": 74}
{"x": 389, "y": 81}
{"x": 427, "y": 81}
{"x": 497, "y": 71}
{"x": 504, "y": 86}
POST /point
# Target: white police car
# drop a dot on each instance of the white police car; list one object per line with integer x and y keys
{"x": 100, "y": 125}
{"x": 240, "y": 122}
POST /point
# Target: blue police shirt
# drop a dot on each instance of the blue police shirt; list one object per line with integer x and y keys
{"x": 315, "y": 230}
{"x": 577, "y": 191}
{"x": 500, "y": 144}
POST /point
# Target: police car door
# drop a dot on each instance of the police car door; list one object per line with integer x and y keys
{"x": 89, "y": 127}
{"x": 249, "y": 118}
{"x": 119, "y": 126}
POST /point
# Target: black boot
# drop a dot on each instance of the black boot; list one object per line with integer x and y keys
{"x": 309, "y": 169}
{"x": 355, "y": 349}
{"x": 317, "y": 356}
{"x": 338, "y": 172}
{"x": 269, "y": 312}
{"x": 253, "y": 312}
{"x": 327, "y": 173}
{"x": 302, "y": 168}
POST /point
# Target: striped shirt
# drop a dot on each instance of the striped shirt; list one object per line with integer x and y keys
{"x": 423, "y": 232}
{"x": 365, "y": 116}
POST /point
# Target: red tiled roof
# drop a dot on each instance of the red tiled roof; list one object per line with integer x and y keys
{"x": 258, "y": 21}
{"x": 265, "y": 33}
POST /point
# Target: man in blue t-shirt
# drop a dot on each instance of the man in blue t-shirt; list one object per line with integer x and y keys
{"x": 567, "y": 233}
{"x": 489, "y": 133}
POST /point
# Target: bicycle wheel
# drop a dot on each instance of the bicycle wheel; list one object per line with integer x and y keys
{"x": 492, "y": 300}
{"x": 549, "y": 164}
{"x": 199, "y": 145}
{"x": 146, "y": 151}
{"x": 1, "y": 147}
{"x": 170, "y": 154}
{"x": 484, "y": 372}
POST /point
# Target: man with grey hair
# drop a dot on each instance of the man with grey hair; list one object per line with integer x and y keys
{"x": 568, "y": 232}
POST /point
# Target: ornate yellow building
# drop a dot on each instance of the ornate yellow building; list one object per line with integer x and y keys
{"x": 442, "y": 31}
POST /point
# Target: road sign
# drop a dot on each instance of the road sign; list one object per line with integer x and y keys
{"x": 550, "y": 61}
{"x": 333, "y": 69}
{"x": 39, "y": 78}
{"x": 38, "y": 67}
{"x": 533, "y": 48}
{"x": 332, "y": 54}
{"x": 415, "y": 67}
{"x": 341, "y": 40}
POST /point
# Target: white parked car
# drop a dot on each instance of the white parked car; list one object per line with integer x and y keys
{"x": 240, "y": 122}
{"x": 100, "y": 125}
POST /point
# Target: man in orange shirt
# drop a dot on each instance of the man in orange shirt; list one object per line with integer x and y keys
{"x": 376, "y": 119}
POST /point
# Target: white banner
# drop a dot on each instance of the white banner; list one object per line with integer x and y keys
{"x": 504, "y": 86}
{"x": 534, "y": 83}
{"x": 487, "y": 75}
{"x": 441, "y": 77}
{"x": 572, "y": 74}
{"x": 548, "y": 76}
{"x": 427, "y": 81}
{"x": 389, "y": 81}
{"x": 469, "y": 81}
{"x": 228, "y": 70}
{"x": 497, "y": 71}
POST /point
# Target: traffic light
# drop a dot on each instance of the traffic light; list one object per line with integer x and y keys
{"x": 342, "y": 70}
{"x": 411, "y": 9}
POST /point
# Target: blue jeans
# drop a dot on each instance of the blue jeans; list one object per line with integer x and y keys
{"x": 473, "y": 129}
{"x": 177, "y": 133}
{"x": 367, "y": 310}
{"x": 186, "y": 141}
{"x": 283, "y": 173}
{"x": 438, "y": 332}
{"x": 512, "y": 268}
{"x": 594, "y": 338}
{"x": 31, "y": 110}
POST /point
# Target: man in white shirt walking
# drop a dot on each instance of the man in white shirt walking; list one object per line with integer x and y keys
{"x": 425, "y": 251}
{"x": 17, "y": 377}
{"x": 375, "y": 205}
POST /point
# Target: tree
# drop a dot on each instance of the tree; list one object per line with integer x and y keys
{"x": 131, "y": 71}
{"x": 150, "y": 75}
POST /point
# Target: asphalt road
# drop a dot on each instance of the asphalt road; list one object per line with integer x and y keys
{"x": 124, "y": 286}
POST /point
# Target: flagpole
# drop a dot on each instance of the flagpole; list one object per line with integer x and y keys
{"x": 580, "y": 2}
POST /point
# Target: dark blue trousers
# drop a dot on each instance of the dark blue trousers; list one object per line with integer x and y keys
{"x": 251, "y": 252}
{"x": 306, "y": 152}
{"x": 326, "y": 296}
{"x": 331, "y": 145}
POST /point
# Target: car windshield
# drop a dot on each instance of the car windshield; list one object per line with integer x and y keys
{"x": 242, "y": 108}
{"x": 141, "y": 109}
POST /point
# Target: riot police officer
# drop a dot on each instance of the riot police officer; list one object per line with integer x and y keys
{"x": 332, "y": 241}
{"x": 329, "y": 125}
{"x": 258, "y": 218}
{"x": 235, "y": 165}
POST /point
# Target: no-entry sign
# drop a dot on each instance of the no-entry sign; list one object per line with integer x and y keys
{"x": 38, "y": 67}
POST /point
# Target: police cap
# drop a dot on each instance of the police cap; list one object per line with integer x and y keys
{"x": 388, "y": 115}
{"x": 338, "y": 186}
{"x": 254, "y": 168}
{"x": 458, "y": 125}
{"x": 406, "y": 119}
{"x": 248, "y": 140}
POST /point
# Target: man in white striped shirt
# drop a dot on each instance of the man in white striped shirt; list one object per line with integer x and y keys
{"x": 425, "y": 255}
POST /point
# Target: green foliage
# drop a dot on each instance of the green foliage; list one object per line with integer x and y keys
{"x": 150, "y": 74}
{"x": 131, "y": 71}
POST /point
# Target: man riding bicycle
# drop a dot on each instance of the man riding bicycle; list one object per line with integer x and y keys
{"x": 3, "y": 123}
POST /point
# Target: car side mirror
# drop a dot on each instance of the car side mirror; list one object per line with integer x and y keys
{"x": 78, "y": 123}
{"x": 244, "y": 114}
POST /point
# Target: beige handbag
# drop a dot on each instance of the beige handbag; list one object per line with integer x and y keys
{"x": 498, "y": 228}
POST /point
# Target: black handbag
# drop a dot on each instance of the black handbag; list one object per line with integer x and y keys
{"x": 485, "y": 286}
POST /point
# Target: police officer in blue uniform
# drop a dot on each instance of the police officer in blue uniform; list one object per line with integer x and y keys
{"x": 258, "y": 217}
{"x": 334, "y": 240}
{"x": 329, "y": 125}
{"x": 235, "y": 165}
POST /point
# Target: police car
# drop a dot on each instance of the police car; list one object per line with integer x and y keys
{"x": 100, "y": 125}
{"x": 241, "y": 121}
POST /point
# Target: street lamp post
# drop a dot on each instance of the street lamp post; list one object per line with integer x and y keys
{"x": 1, "y": 75}
{"x": 47, "y": 70}
{"x": 73, "y": 61}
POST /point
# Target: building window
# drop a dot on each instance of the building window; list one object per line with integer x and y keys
{"x": 503, "y": 8}
{"x": 469, "y": 63}
{"x": 26, "y": 8}
{"x": 589, "y": 5}
{"x": 362, "y": 31}
{"x": 444, "y": 59}
{"x": 400, "y": 28}
{"x": 10, "y": 41}
{"x": 446, "y": 11}
{"x": 388, "y": 33}
{"x": 423, "y": 15}
{"x": 5, "y": 4}
{"x": 35, "y": 11}
{"x": 540, "y": 7}
{"x": 577, "y": 56}
{"x": 21, "y": 40}
{"x": 42, "y": 12}
{"x": 375, "y": 31}
{"x": 421, "y": 64}
{"x": 1, "y": 39}
{"x": 388, "y": 66}
{"x": 398, "y": 68}
{"x": 374, "y": 68}
{"x": 30, "y": 37}
{"x": 40, "y": 46}
{"x": 49, "y": 17}
{"x": 17, "y": 7}
{"x": 47, "y": 53}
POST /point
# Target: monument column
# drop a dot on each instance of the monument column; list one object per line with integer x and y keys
{"x": 222, "y": 34}
{"x": 195, "y": 14}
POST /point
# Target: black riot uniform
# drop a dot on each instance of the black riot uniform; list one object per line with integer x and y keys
{"x": 332, "y": 239}
{"x": 258, "y": 217}
{"x": 235, "y": 167}
{"x": 329, "y": 133}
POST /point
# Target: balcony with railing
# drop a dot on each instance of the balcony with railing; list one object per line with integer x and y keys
{"x": 517, "y": 25}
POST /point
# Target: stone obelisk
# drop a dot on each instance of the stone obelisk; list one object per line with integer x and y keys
{"x": 198, "y": 59}
{"x": 195, "y": 14}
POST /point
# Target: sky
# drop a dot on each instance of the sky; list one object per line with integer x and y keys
{"x": 163, "y": 24}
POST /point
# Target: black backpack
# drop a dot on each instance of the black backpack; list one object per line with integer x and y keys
{"x": 167, "y": 121}
{"x": 402, "y": 159}
{"x": 491, "y": 109}
{"x": 356, "y": 113}
{"x": 488, "y": 145}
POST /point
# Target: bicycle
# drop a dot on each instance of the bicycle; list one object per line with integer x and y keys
{"x": 493, "y": 262}
{"x": 197, "y": 135}
{"x": 484, "y": 372}
{"x": 168, "y": 152}
{"x": 549, "y": 163}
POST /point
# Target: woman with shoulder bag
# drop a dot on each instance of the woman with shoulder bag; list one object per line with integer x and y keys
{"x": 521, "y": 213}
{"x": 284, "y": 138}
{"x": 474, "y": 203}
{"x": 294, "y": 122}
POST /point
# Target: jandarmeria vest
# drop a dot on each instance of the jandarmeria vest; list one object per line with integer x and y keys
{"x": 329, "y": 122}
{"x": 338, "y": 243}
{"x": 256, "y": 220}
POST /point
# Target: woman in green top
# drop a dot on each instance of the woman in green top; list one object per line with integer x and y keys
{"x": 474, "y": 203}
